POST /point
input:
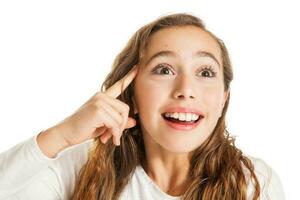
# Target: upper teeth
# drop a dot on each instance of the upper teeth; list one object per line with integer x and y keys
{"x": 183, "y": 116}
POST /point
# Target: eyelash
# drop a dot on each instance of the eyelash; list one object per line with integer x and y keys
{"x": 203, "y": 68}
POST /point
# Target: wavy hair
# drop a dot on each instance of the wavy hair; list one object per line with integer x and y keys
{"x": 217, "y": 166}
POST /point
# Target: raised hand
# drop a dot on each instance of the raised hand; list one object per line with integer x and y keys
{"x": 101, "y": 116}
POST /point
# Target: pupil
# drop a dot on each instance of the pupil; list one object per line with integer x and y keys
{"x": 165, "y": 71}
{"x": 205, "y": 73}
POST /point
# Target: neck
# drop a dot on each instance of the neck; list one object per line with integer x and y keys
{"x": 168, "y": 170}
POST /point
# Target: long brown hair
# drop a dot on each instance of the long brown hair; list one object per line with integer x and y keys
{"x": 217, "y": 166}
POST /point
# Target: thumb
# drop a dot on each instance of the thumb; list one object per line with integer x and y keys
{"x": 130, "y": 123}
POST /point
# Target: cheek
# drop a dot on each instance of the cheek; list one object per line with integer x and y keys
{"x": 150, "y": 93}
{"x": 150, "y": 96}
{"x": 213, "y": 100}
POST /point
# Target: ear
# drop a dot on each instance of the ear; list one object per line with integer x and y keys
{"x": 226, "y": 94}
{"x": 134, "y": 105}
{"x": 225, "y": 97}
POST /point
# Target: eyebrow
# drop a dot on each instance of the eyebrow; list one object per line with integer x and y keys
{"x": 168, "y": 53}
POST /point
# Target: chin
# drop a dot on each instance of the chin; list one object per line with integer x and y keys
{"x": 179, "y": 147}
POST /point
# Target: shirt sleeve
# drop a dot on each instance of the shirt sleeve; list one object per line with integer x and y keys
{"x": 27, "y": 173}
{"x": 270, "y": 184}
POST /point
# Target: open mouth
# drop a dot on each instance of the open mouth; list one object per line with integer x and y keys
{"x": 182, "y": 119}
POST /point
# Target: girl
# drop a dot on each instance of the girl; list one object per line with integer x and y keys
{"x": 155, "y": 131}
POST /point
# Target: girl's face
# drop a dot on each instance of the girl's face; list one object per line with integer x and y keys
{"x": 181, "y": 68}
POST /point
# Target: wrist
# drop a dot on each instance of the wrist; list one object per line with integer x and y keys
{"x": 57, "y": 133}
{"x": 51, "y": 141}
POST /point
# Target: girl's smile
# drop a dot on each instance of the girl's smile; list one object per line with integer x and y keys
{"x": 182, "y": 118}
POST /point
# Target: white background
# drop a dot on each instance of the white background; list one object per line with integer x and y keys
{"x": 54, "y": 56}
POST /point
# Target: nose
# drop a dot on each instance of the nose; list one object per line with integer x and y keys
{"x": 184, "y": 88}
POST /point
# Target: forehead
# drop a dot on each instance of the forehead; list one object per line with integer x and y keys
{"x": 184, "y": 41}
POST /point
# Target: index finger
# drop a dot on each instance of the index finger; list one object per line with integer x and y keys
{"x": 116, "y": 89}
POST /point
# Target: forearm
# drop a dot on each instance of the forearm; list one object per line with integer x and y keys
{"x": 51, "y": 142}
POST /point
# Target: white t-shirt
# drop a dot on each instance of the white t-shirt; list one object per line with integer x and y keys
{"x": 26, "y": 173}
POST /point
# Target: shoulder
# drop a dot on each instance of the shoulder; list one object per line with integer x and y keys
{"x": 270, "y": 183}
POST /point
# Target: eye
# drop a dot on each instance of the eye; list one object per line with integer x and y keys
{"x": 162, "y": 69}
{"x": 207, "y": 71}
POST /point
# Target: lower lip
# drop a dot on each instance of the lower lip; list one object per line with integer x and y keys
{"x": 182, "y": 127}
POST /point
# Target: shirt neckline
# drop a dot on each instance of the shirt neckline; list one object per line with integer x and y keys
{"x": 140, "y": 170}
